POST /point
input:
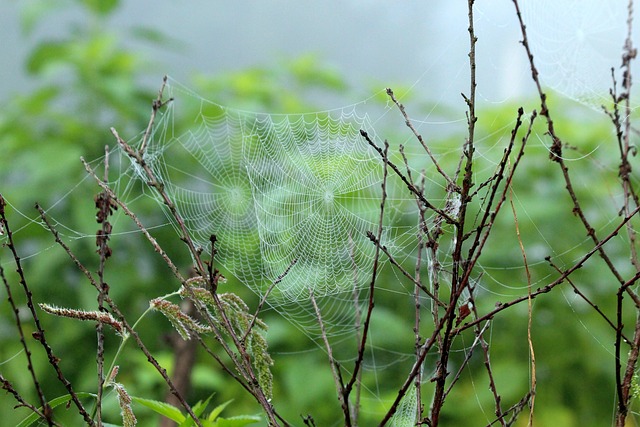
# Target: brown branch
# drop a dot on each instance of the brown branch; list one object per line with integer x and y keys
{"x": 39, "y": 333}
{"x": 420, "y": 139}
{"x": 547, "y": 288}
{"x": 374, "y": 273}
{"x": 9, "y": 388}
{"x": 243, "y": 364}
{"x": 114, "y": 308}
{"x": 578, "y": 292}
{"x": 404, "y": 179}
{"x": 343, "y": 392}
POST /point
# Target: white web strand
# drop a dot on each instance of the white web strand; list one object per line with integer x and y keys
{"x": 576, "y": 44}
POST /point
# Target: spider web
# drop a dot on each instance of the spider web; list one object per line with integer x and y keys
{"x": 291, "y": 199}
{"x": 576, "y": 44}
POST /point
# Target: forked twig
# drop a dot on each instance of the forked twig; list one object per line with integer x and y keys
{"x": 420, "y": 138}
{"x": 406, "y": 181}
{"x": 265, "y": 296}
{"x": 342, "y": 391}
{"x": 39, "y": 334}
{"x": 114, "y": 308}
{"x": 374, "y": 275}
{"x": 243, "y": 363}
{"x": 9, "y": 388}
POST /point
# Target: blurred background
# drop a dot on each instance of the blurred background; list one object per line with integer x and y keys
{"x": 72, "y": 69}
{"x": 370, "y": 43}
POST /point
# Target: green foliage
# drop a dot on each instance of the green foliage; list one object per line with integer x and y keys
{"x": 54, "y": 403}
{"x": 213, "y": 419}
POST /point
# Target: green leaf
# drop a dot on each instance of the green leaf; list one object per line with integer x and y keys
{"x": 197, "y": 409}
{"x": 46, "y": 55}
{"x": 241, "y": 420}
{"x": 217, "y": 410}
{"x": 101, "y": 7}
{"x": 162, "y": 408}
{"x": 34, "y": 11}
{"x": 53, "y": 403}
{"x": 158, "y": 38}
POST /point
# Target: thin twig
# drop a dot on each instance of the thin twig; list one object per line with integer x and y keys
{"x": 374, "y": 274}
{"x": 343, "y": 393}
{"x": 419, "y": 138}
{"x": 114, "y": 308}
{"x": 581, "y": 294}
{"x": 477, "y": 340}
{"x": 46, "y": 413}
{"x": 404, "y": 272}
{"x": 532, "y": 353}
{"x": 487, "y": 364}
{"x": 355, "y": 403}
{"x": 39, "y": 333}
{"x": 416, "y": 295}
{"x": 404, "y": 179}
{"x": 9, "y": 388}
{"x": 265, "y": 296}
